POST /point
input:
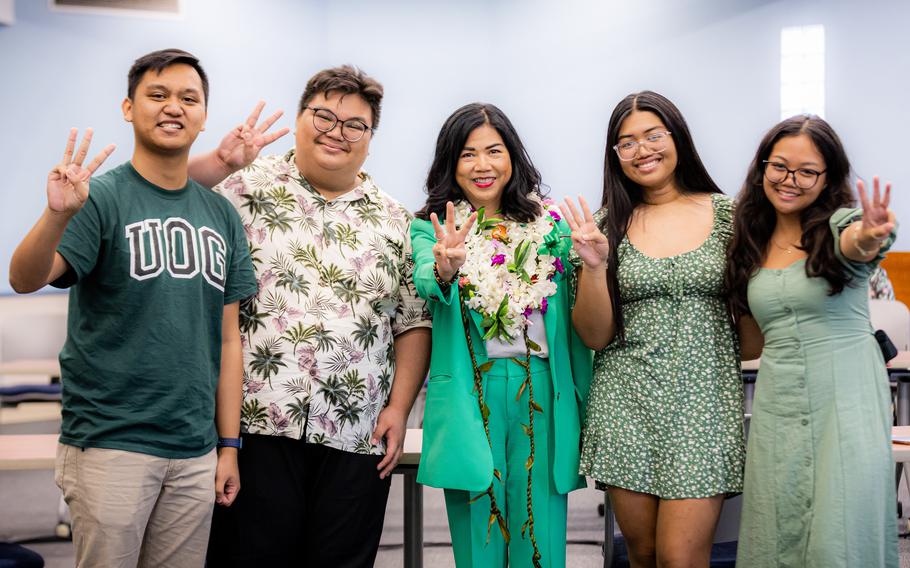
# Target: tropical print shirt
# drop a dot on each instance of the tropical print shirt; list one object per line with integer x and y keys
{"x": 335, "y": 288}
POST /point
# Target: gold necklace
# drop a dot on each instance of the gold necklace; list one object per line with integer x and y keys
{"x": 787, "y": 249}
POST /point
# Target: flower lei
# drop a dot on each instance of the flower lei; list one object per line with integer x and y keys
{"x": 522, "y": 279}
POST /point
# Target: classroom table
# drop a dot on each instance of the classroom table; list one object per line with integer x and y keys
{"x": 38, "y": 451}
{"x": 40, "y": 367}
{"x": 900, "y": 452}
{"x": 898, "y": 373}
{"x": 28, "y": 451}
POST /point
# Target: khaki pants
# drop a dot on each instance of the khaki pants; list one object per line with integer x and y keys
{"x": 131, "y": 509}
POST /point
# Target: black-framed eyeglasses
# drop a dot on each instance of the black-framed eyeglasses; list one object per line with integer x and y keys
{"x": 654, "y": 141}
{"x": 804, "y": 178}
{"x": 352, "y": 129}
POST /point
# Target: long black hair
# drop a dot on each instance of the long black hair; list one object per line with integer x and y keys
{"x": 756, "y": 218}
{"x": 621, "y": 195}
{"x": 441, "y": 186}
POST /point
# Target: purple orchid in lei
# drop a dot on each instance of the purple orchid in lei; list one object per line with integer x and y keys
{"x": 543, "y": 306}
{"x": 498, "y": 259}
{"x": 558, "y": 264}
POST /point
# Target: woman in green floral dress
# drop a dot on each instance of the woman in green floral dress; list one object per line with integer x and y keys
{"x": 664, "y": 428}
{"x": 819, "y": 486}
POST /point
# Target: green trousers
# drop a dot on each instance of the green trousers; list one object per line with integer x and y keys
{"x": 511, "y": 447}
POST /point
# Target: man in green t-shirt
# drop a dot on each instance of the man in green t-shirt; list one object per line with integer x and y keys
{"x": 157, "y": 265}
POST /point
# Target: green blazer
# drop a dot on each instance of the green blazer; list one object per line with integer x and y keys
{"x": 456, "y": 454}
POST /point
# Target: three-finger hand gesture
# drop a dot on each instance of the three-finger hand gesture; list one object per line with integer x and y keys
{"x": 878, "y": 220}
{"x": 449, "y": 250}
{"x": 589, "y": 242}
{"x": 241, "y": 145}
{"x": 68, "y": 181}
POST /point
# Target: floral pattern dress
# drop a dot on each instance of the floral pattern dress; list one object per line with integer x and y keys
{"x": 665, "y": 413}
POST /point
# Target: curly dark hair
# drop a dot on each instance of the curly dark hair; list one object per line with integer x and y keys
{"x": 755, "y": 217}
{"x": 441, "y": 186}
{"x": 621, "y": 195}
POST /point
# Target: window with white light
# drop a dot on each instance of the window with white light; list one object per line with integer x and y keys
{"x": 802, "y": 71}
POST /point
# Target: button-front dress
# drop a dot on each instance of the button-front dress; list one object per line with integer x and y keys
{"x": 819, "y": 486}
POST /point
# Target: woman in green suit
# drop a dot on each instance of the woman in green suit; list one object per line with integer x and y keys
{"x": 508, "y": 375}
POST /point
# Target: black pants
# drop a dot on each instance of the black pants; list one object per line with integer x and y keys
{"x": 300, "y": 505}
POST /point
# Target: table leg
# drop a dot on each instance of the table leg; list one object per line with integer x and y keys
{"x": 413, "y": 521}
{"x": 608, "y": 531}
{"x": 903, "y": 415}
{"x": 903, "y": 399}
{"x": 748, "y": 395}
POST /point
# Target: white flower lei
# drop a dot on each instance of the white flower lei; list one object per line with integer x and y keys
{"x": 497, "y": 288}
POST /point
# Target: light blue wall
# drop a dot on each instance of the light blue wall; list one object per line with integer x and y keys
{"x": 557, "y": 69}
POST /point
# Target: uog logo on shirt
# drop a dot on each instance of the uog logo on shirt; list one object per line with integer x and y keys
{"x": 177, "y": 246}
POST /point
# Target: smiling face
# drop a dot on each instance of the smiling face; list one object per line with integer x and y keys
{"x": 327, "y": 157}
{"x": 484, "y": 168}
{"x": 794, "y": 153}
{"x": 649, "y": 169}
{"x": 167, "y": 110}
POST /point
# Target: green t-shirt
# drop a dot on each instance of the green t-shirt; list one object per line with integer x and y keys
{"x": 151, "y": 272}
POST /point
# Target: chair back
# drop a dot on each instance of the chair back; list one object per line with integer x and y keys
{"x": 32, "y": 326}
{"x": 894, "y": 318}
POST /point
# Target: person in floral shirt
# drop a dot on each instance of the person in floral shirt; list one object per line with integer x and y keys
{"x": 336, "y": 343}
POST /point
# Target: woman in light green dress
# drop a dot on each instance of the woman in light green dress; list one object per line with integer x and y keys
{"x": 819, "y": 486}
{"x": 664, "y": 425}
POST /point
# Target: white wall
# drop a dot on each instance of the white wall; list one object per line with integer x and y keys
{"x": 556, "y": 68}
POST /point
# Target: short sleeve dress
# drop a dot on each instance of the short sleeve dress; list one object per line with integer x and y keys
{"x": 819, "y": 485}
{"x": 665, "y": 413}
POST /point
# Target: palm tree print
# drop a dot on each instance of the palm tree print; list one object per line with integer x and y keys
{"x": 277, "y": 220}
{"x": 297, "y": 412}
{"x": 282, "y": 198}
{"x": 369, "y": 213}
{"x": 334, "y": 289}
{"x": 305, "y": 255}
{"x": 251, "y": 319}
{"x": 347, "y": 236}
{"x": 348, "y": 291}
{"x": 347, "y": 412}
{"x": 266, "y": 359}
{"x": 257, "y": 203}
{"x": 365, "y": 332}
{"x": 253, "y": 415}
{"x": 287, "y": 277}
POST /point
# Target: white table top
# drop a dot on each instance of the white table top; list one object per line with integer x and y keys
{"x": 38, "y": 451}
{"x": 901, "y": 362}
{"x": 28, "y": 451}
{"x": 901, "y": 452}
{"x": 46, "y": 367}
{"x": 413, "y": 443}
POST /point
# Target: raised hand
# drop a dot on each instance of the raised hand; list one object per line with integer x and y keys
{"x": 241, "y": 145}
{"x": 878, "y": 220}
{"x": 68, "y": 181}
{"x": 589, "y": 242}
{"x": 449, "y": 250}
